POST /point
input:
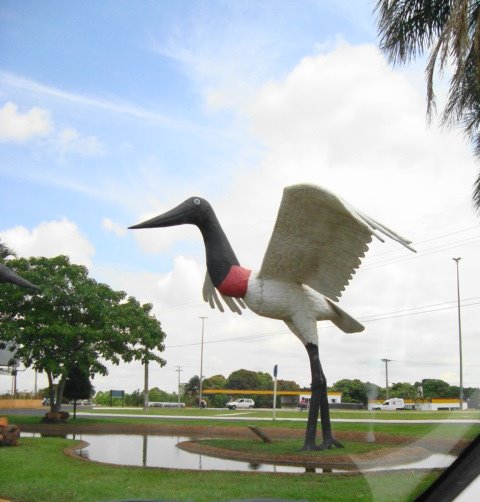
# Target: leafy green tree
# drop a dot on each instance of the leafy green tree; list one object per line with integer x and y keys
{"x": 353, "y": 391}
{"x": 102, "y": 398}
{"x": 215, "y": 382}
{"x": 73, "y": 320}
{"x": 247, "y": 379}
{"x": 374, "y": 391}
{"x": 432, "y": 387}
{"x": 255, "y": 380}
{"x": 450, "y": 30}
{"x": 404, "y": 390}
{"x": 287, "y": 385}
{"x": 242, "y": 379}
{"x": 77, "y": 386}
{"x": 157, "y": 395}
{"x": 191, "y": 389}
{"x": 133, "y": 399}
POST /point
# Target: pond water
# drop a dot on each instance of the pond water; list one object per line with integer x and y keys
{"x": 161, "y": 451}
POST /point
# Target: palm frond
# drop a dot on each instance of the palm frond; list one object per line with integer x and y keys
{"x": 408, "y": 27}
{"x": 6, "y": 252}
{"x": 450, "y": 30}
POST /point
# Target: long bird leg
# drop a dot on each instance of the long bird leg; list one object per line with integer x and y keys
{"x": 318, "y": 404}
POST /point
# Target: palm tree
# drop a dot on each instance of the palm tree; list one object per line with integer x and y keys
{"x": 450, "y": 29}
{"x": 5, "y": 252}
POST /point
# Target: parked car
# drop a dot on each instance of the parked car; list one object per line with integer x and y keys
{"x": 240, "y": 403}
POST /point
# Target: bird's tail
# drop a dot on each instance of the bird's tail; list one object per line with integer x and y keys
{"x": 343, "y": 320}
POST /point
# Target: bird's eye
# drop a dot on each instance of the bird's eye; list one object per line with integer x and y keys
{"x": 196, "y": 202}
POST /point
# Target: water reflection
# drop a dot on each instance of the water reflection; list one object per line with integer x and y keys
{"x": 161, "y": 451}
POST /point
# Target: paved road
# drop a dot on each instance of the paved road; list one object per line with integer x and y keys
{"x": 303, "y": 419}
{"x": 243, "y": 415}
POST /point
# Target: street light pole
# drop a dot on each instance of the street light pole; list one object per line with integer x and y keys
{"x": 456, "y": 260}
{"x": 145, "y": 385}
{"x": 386, "y": 361}
{"x": 201, "y": 363}
{"x": 178, "y": 370}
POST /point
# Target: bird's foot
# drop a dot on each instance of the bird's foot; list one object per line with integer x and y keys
{"x": 326, "y": 444}
{"x": 330, "y": 443}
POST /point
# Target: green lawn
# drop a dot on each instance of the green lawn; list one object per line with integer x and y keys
{"x": 292, "y": 447}
{"x": 334, "y": 414}
{"x": 433, "y": 430}
{"x": 38, "y": 470}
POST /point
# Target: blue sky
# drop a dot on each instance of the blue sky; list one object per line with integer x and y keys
{"x": 115, "y": 111}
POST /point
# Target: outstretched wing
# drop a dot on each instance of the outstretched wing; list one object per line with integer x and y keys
{"x": 319, "y": 240}
{"x": 210, "y": 295}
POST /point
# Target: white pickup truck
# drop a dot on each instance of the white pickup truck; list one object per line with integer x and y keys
{"x": 395, "y": 403}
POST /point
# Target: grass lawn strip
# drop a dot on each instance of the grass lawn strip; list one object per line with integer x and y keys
{"x": 377, "y": 457}
{"x": 37, "y": 470}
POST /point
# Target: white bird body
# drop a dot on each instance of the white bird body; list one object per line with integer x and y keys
{"x": 297, "y": 304}
{"x": 283, "y": 300}
{"x": 316, "y": 246}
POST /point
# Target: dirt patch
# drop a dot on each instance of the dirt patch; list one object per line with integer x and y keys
{"x": 413, "y": 449}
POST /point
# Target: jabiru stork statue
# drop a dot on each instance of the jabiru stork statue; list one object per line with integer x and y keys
{"x": 7, "y": 275}
{"x": 316, "y": 246}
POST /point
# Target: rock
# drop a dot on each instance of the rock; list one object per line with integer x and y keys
{"x": 9, "y": 435}
{"x": 54, "y": 417}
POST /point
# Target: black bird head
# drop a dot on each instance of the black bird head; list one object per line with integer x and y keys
{"x": 7, "y": 275}
{"x": 194, "y": 211}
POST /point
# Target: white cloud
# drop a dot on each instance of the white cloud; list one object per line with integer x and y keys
{"x": 115, "y": 228}
{"x": 22, "y": 83}
{"x": 69, "y": 140}
{"x": 19, "y": 127}
{"x": 227, "y": 55}
{"x": 49, "y": 239}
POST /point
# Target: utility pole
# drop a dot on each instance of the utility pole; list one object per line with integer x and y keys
{"x": 459, "y": 334}
{"x": 178, "y": 370}
{"x": 201, "y": 362}
{"x": 145, "y": 386}
{"x": 386, "y": 361}
{"x": 275, "y": 373}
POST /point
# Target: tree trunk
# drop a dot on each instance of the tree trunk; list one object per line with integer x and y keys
{"x": 60, "y": 387}
{"x": 51, "y": 392}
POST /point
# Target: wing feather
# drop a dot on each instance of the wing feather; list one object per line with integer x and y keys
{"x": 210, "y": 295}
{"x": 319, "y": 240}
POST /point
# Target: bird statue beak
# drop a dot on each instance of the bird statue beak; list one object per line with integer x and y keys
{"x": 176, "y": 216}
{"x": 7, "y": 275}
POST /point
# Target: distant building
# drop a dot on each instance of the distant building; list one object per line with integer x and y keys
{"x": 288, "y": 398}
{"x": 333, "y": 397}
{"x": 432, "y": 404}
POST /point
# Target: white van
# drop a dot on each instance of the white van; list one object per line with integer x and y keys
{"x": 395, "y": 403}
